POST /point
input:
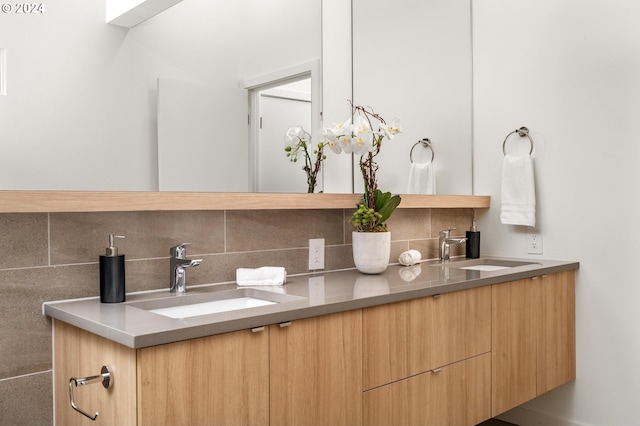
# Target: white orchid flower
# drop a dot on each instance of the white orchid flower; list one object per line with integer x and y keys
{"x": 360, "y": 125}
{"x": 294, "y": 139}
{"x": 392, "y": 128}
{"x": 328, "y": 137}
{"x": 338, "y": 137}
{"x": 362, "y": 136}
{"x": 345, "y": 143}
{"x": 295, "y": 135}
{"x": 354, "y": 136}
{"x": 341, "y": 127}
{"x": 362, "y": 143}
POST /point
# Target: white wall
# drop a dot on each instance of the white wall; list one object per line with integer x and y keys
{"x": 570, "y": 71}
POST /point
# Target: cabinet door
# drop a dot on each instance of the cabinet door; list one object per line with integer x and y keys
{"x": 316, "y": 371}
{"x": 215, "y": 380}
{"x": 78, "y": 353}
{"x": 515, "y": 317}
{"x": 455, "y": 395}
{"x": 407, "y": 338}
{"x": 556, "y": 331}
{"x": 533, "y": 338}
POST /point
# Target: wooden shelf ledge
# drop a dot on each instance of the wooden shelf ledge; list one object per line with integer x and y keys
{"x": 103, "y": 201}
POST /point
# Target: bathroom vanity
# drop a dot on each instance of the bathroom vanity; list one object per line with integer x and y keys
{"x": 433, "y": 344}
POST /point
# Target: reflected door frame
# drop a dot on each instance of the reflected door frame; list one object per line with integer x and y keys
{"x": 256, "y": 84}
{"x": 281, "y": 108}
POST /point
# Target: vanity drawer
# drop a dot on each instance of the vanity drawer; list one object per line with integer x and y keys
{"x": 456, "y": 395}
{"x": 407, "y": 338}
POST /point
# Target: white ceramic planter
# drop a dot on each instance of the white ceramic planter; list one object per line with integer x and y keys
{"x": 371, "y": 251}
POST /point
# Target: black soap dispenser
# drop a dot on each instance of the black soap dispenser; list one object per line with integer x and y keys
{"x": 473, "y": 242}
{"x": 112, "y": 274}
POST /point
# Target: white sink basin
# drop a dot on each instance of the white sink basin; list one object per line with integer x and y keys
{"x": 213, "y": 302}
{"x": 213, "y": 307}
{"x": 485, "y": 267}
{"x": 484, "y": 264}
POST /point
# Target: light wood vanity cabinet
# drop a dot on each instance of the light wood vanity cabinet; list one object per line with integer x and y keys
{"x": 453, "y": 359}
{"x": 301, "y": 373}
{"x": 215, "y": 380}
{"x": 306, "y": 373}
{"x": 427, "y": 361}
{"x": 78, "y": 353}
{"x": 533, "y": 338}
{"x": 221, "y": 380}
{"x": 316, "y": 371}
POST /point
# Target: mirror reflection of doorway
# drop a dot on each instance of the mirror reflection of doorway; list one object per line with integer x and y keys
{"x": 280, "y": 106}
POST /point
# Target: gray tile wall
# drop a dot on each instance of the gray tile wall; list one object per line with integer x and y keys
{"x": 55, "y": 256}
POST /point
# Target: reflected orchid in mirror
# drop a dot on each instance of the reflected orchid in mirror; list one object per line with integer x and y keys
{"x": 296, "y": 145}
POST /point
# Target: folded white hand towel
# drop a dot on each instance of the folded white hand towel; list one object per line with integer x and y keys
{"x": 266, "y": 275}
{"x": 410, "y": 257}
{"x": 518, "y": 191}
{"x": 422, "y": 179}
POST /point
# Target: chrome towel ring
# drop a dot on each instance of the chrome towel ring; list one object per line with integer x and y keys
{"x": 522, "y": 132}
{"x": 425, "y": 143}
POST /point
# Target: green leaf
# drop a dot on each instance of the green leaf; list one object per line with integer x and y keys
{"x": 386, "y": 204}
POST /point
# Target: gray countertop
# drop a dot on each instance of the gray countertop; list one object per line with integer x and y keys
{"x": 318, "y": 294}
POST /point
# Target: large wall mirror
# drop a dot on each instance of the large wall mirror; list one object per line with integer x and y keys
{"x": 83, "y": 98}
{"x": 412, "y": 60}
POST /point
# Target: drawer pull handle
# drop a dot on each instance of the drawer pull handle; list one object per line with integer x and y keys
{"x": 285, "y": 324}
{"x": 437, "y": 296}
{"x": 257, "y": 329}
{"x": 104, "y": 377}
{"x": 436, "y": 370}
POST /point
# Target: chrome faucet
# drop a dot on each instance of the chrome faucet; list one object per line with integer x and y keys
{"x": 179, "y": 261}
{"x": 446, "y": 241}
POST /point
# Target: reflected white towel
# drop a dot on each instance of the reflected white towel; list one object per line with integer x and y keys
{"x": 518, "y": 191}
{"x": 410, "y": 257}
{"x": 266, "y": 275}
{"x": 422, "y": 179}
{"x": 410, "y": 273}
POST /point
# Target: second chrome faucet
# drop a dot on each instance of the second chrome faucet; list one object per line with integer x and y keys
{"x": 179, "y": 261}
{"x": 446, "y": 240}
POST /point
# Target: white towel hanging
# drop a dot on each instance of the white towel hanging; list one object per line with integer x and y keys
{"x": 421, "y": 179}
{"x": 518, "y": 191}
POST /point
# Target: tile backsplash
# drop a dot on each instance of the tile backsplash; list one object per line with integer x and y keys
{"x": 55, "y": 256}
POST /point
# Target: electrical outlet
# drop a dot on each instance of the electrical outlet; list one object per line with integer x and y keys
{"x": 534, "y": 242}
{"x": 316, "y": 254}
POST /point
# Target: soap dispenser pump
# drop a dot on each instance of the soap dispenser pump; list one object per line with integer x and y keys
{"x": 112, "y": 281}
{"x": 473, "y": 241}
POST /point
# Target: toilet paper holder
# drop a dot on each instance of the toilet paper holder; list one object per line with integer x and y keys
{"x": 105, "y": 377}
